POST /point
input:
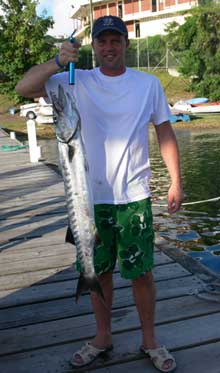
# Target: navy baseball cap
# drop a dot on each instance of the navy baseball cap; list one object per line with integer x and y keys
{"x": 109, "y": 23}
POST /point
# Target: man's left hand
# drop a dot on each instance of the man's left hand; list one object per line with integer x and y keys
{"x": 175, "y": 198}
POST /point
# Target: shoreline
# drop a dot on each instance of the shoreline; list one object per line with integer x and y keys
{"x": 186, "y": 261}
{"x": 47, "y": 131}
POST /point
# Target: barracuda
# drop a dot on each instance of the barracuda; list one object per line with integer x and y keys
{"x": 75, "y": 172}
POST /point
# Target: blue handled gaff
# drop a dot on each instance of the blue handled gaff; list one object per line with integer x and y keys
{"x": 72, "y": 64}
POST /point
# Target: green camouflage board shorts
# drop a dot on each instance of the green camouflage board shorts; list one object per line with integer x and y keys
{"x": 126, "y": 235}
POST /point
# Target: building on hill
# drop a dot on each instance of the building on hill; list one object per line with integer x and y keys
{"x": 142, "y": 17}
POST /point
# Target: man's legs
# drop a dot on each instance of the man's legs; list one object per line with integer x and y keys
{"x": 144, "y": 296}
{"x": 102, "y": 312}
{"x": 104, "y": 260}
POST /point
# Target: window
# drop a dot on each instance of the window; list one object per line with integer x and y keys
{"x": 120, "y": 10}
{"x": 154, "y": 5}
{"x": 137, "y": 29}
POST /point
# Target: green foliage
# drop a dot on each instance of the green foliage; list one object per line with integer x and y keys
{"x": 209, "y": 87}
{"x": 197, "y": 43}
{"x": 151, "y": 49}
{"x": 85, "y": 57}
{"x": 22, "y": 41}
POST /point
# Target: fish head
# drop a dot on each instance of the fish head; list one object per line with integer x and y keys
{"x": 66, "y": 116}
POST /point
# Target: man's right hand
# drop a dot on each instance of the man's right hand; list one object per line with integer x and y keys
{"x": 69, "y": 52}
{"x": 33, "y": 83}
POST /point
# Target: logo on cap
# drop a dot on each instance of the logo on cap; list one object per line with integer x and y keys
{"x": 108, "y": 21}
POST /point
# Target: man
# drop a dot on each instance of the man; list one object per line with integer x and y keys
{"x": 116, "y": 105}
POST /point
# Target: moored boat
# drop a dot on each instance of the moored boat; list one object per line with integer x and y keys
{"x": 197, "y": 100}
{"x": 197, "y": 108}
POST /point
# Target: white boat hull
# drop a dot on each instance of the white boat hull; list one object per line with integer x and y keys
{"x": 186, "y": 108}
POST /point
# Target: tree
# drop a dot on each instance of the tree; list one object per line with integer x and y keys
{"x": 22, "y": 41}
{"x": 197, "y": 44}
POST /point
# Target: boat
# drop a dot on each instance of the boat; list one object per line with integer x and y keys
{"x": 41, "y": 111}
{"x": 197, "y": 100}
{"x": 197, "y": 108}
{"x": 179, "y": 117}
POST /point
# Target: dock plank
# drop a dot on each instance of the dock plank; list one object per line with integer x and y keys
{"x": 64, "y": 305}
{"x": 48, "y": 226}
{"x": 44, "y": 258}
{"x": 61, "y": 272}
{"x": 175, "y": 335}
{"x": 34, "y": 293}
{"x": 21, "y": 209}
{"x": 65, "y": 330}
{"x": 197, "y": 359}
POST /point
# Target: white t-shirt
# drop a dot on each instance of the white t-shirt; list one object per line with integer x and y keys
{"x": 115, "y": 114}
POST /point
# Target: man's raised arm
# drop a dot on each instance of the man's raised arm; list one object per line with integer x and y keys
{"x": 33, "y": 83}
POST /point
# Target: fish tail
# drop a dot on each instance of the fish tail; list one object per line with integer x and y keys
{"x": 91, "y": 283}
{"x": 69, "y": 236}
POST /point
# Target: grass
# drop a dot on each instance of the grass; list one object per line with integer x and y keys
{"x": 175, "y": 88}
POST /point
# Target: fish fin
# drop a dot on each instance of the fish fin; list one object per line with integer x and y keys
{"x": 71, "y": 151}
{"x": 91, "y": 283}
{"x": 86, "y": 165}
{"x": 69, "y": 236}
{"x": 61, "y": 97}
{"x": 55, "y": 102}
{"x": 73, "y": 105}
{"x": 59, "y": 103}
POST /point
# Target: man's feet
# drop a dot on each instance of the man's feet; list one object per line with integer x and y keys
{"x": 161, "y": 358}
{"x": 87, "y": 354}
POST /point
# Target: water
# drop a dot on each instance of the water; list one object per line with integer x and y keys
{"x": 194, "y": 230}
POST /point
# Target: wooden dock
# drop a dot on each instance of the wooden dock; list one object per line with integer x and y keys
{"x": 40, "y": 324}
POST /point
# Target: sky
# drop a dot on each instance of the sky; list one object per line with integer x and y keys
{"x": 60, "y": 10}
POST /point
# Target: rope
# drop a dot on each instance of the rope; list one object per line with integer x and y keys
{"x": 207, "y": 290}
{"x": 10, "y": 148}
{"x": 202, "y": 201}
{"x": 192, "y": 203}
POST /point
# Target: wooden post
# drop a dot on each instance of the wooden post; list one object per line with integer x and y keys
{"x": 12, "y": 135}
{"x": 34, "y": 150}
